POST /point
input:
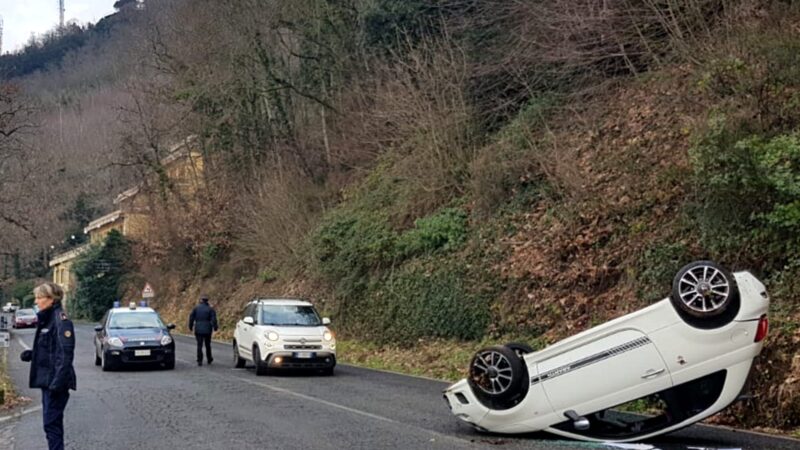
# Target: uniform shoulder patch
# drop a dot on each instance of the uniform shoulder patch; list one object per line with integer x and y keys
{"x": 64, "y": 316}
{"x": 68, "y": 334}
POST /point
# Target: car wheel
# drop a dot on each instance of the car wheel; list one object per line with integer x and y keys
{"x": 705, "y": 294}
{"x": 97, "y": 360}
{"x": 261, "y": 366}
{"x": 519, "y": 348}
{"x": 498, "y": 377}
{"x": 105, "y": 363}
{"x": 238, "y": 361}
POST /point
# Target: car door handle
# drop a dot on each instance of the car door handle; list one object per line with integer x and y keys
{"x": 651, "y": 373}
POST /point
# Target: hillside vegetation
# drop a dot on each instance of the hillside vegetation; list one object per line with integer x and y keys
{"x": 440, "y": 174}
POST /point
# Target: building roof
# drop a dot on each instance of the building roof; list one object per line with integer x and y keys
{"x": 105, "y": 220}
{"x": 127, "y": 194}
{"x": 176, "y": 152}
{"x": 68, "y": 255}
{"x": 179, "y": 150}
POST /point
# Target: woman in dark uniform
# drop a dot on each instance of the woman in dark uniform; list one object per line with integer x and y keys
{"x": 51, "y": 360}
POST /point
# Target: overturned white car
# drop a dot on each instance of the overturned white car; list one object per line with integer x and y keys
{"x": 690, "y": 354}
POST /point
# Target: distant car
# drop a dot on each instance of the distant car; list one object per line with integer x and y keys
{"x": 283, "y": 334}
{"x": 133, "y": 335}
{"x": 688, "y": 355}
{"x": 9, "y": 307}
{"x": 24, "y": 318}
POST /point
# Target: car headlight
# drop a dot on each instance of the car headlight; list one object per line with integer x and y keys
{"x": 327, "y": 335}
{"x": 272, "y": 336}
{"x": 166, "y": 340}
{"x": 114, "y": 342}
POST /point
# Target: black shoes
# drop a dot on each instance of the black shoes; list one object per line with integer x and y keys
{"x": 199, "y": 363}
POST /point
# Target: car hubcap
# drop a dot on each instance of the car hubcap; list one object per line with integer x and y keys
{"x": 704, "y": 289}
{"x": 491, "y": 372}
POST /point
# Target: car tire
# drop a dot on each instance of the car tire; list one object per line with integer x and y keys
{"x": 705, "y": 294}
{"x": 105, "y": 364}
{"x": 519, "y": 348}
{"x": 97, "y": 360}
{"x": 261, "y": 366}
{"x": 498, "y": 377}
{"x": 238, "y": 361}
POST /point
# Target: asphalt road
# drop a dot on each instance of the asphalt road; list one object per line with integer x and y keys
{"x": 216, "y": 406}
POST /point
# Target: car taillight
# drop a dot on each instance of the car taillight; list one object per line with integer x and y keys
{"x": 763, "y": 328}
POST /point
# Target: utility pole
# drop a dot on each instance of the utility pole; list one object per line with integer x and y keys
{"x": 60, "y": 14}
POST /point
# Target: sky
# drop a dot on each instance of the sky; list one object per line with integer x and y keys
{"x": 23, "y": 17}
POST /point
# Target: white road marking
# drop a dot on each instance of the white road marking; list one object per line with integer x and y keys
{"x": 338, "y": 406}
{"x": 21, "y": 413}
{"x": 22, "y": 343}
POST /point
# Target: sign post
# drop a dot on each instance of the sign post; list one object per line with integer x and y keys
{"x": 5, "y": 339}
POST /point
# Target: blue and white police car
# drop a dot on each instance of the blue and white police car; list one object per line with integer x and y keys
{"x": 133, "y": 335}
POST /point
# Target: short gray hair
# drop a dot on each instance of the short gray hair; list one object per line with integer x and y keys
{"x": 49, "y": 289}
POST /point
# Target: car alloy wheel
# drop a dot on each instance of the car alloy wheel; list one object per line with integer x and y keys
{"x": 705, "y": 294}
{"x": 491, "y": 372}
{"x": 704, "y": 288}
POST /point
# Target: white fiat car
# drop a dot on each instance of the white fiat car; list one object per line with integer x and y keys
{"x": 283, "y": 334}
{"x": 688, "y": 357}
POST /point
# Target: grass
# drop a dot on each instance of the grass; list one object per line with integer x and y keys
{"x": 443, "y": 359}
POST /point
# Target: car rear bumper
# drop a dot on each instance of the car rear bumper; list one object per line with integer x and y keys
{"x": 292, "y": 360}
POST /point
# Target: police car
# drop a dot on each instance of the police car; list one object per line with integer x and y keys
{"x": 133, "y": 335}
{"x": 283, "y": 334}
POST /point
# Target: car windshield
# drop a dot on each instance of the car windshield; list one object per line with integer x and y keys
{"x": 283, "y": 315}
{"x": 131, "y": 320}
{"x": 25, "y": 312}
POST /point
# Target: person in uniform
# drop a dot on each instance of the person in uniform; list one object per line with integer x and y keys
{"x": 203, "y": 321}
{"x": 51, "y": 360}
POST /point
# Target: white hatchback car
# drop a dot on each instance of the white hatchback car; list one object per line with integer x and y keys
{"x": 688, "y": 355}
{"x": 283, "y": 334}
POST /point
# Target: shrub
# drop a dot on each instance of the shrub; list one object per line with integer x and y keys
{"x": 417, "y": 303}
{"x": 658, "y": 265}
{"x": 446, "y": 229}
{"x": 100, "y": 273}
{"x": 729, "y": 187}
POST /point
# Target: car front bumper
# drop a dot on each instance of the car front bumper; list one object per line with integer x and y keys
{"x": 301, "y": 360}
{"x": 159, "y": 354}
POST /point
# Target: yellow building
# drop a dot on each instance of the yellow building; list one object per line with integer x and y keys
{"x": 62, "y": 271}
{"x": 100, "y": 227}
{"x": 182, "y": 166}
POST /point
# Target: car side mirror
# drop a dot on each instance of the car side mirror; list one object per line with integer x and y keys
{"x": 249, "y": 320}
{"x": 171, "y": 326}
{"x": 326, "y": 321}
{"x": 98, "y": 328}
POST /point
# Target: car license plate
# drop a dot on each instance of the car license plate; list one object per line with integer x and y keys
{"x": 141, "y": 352}
{"x": 304, "y": 355}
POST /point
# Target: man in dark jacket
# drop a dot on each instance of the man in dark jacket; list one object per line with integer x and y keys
{"x": 51, "y": 356}
{"x": 203, "y": 321}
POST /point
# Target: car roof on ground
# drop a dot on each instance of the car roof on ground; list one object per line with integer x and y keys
{"x": 282, "y": 301}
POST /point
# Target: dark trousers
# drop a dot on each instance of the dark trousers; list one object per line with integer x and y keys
{"x": 53, "y": 404}
{"x": 203, "y": 338}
